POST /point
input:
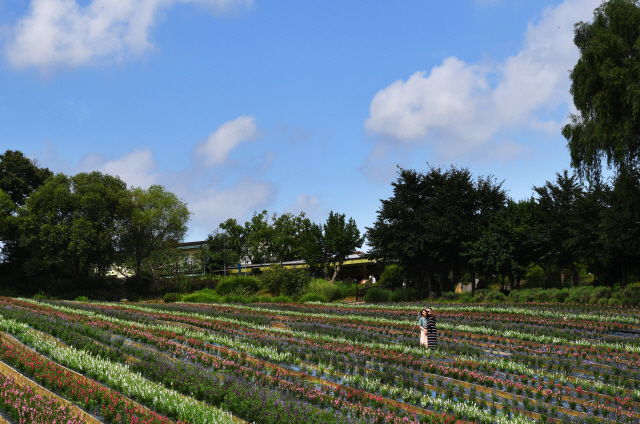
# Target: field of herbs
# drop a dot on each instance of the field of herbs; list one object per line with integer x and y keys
{"x": 315, "y": 363}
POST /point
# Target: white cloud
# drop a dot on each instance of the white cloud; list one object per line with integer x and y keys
{"x": 63, "y": 33}
{"x": 457, "y": 108}
{"x": 211, "y": 206}
{"x": 135, "y": 168}
{"x": 309, "y": 204}
{"x": 215, "y": 149}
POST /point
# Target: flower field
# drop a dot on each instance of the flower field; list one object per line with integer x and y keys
{"x": 319, "y": 363}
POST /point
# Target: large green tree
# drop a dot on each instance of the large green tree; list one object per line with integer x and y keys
{"x": 430, "y": 219}
{"x": 620, "y": 227}
{"x": 217, "y": 253}
{"x": 556, "y": 223}
{"x": 154, "y": 219}
{"x": 341, "y": 239}
{"x": 504, "y": 246}
{"x": 20, "y": 176}
{"x": 313, "y": 248}
{"x": 73, "y": 222}
{"x": 606, "y": 90}
{"x": 288, "y": 232}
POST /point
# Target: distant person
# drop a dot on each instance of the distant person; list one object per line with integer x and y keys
{"x": 432, "y": 331}
{"x": 422, "y": 323}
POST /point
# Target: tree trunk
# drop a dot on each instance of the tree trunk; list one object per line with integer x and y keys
{"x": 335, "y": 272}
{"x": 473, "y": 282}
{"x": 444, "y": 276}
{"x": 429, "y": 273}
{"x": 574, "y": 274}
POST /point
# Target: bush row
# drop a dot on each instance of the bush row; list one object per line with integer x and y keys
{"x": 583, "y": 295}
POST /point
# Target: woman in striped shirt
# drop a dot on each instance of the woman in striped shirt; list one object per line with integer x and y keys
{"x": 432, "y": 331}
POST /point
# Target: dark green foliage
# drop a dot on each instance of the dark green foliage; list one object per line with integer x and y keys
{"x": 282, "y": 299}
{"x": 20, "y": 176}
{"x": 430, "y": 219}
{"x": 557, "y": 223}
{"x": 218, "y": 252}
{"x": 341, "y": 238}
{"x": 286, "y": 281}
{"x": 153, "y": 220}
{"x": 324, "y": 288}
{"x": 203, "y": 296}
{"x": 606, "y": 90}
{"x": 73, "y": 221}
{"x": 404, "y": 295}
{"x": 504, "y": 246}
{"x": 313, "y": 297}
{"x": 377, "y": 295}
{"x": 393, "y": 275}
{"x": 171, "y": 297}
{"x": 238, "y": 285}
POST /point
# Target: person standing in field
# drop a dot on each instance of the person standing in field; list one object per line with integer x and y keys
{"x": 422, "y": 323}
{"x": 432, "y": 331}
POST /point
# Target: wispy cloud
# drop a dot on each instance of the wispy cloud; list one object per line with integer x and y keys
{"x": 459, "y": 108}
{"x": 62, "y": 33}
{"x": 215, "y": 149}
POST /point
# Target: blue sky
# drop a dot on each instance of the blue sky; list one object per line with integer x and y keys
{"x": 244, "y": 105}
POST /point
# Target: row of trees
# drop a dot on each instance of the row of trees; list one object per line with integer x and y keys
{"x": 442, "y": 224}
{"x": 267, "y": 239}
{"x": 59, "y": 225}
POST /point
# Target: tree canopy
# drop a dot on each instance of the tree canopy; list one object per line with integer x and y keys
{"x": 20, "y": 176}
{"x": 154, "y": 219}
{"x": 430, "y": 219}
{"x": 72, "y": 221}
{"x": 606, "y": 90}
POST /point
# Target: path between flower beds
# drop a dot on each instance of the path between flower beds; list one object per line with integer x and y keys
{"x": 22, "y": 380}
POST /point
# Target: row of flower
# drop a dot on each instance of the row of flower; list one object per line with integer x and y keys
{"x": 349, "y": 411}
{"x": 469, "y": 384}
{"x": 383, "y": 389}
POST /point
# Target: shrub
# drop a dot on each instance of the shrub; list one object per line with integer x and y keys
{"x": 313, "y": 297}
{"x": 346, "y": 288}
{"x": 238, "y": 285}
{"x": 281, "y": 299}
{"x": 202, "y": 296}
{"x": 495, "y": 296}
{"x": 82, "y": 299}
{"x": 603, "y": 301}
{"x": 286, "y": 281}
{"x": 450, "y": 296}
{"x": 562, "y": 295}
{"x": 481, "y": 295}
{"x": 40, "y": 296}
{"x": 393, "y": 275}
{"x": 377, "y": 295}
{"x": 466, "y": 297}
{"x": 630, "y": 295}
{"x": 236, "y": 298}
{"x": 404, "y": 295}
{"x": 323, "y": 288}
{"x": 171, "y": 297}
{"x": 614, "y": 302}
